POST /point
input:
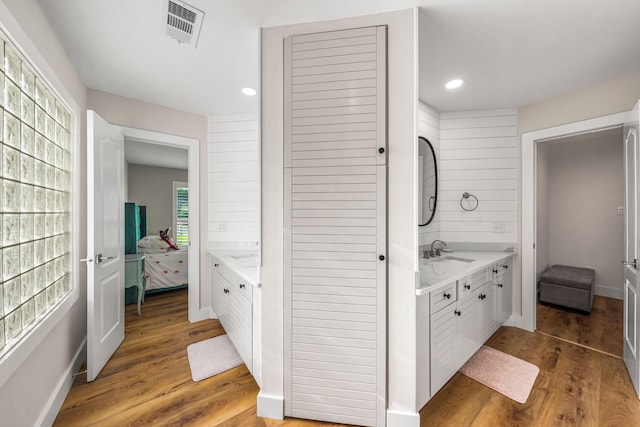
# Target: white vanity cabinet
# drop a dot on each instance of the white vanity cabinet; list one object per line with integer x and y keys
{"x": 231, "y": 300}
{"x": 503, "y": 281}
{"x": 487, "y": 318}
{"x": 454, "y": 333}
{"x": 463, "y": 314}
{"x": 443, "y": 334}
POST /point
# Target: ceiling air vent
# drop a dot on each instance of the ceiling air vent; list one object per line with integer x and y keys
{"x": 183, "y": 22}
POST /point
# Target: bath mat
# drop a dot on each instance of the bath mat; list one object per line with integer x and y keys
{"x": 502, "y": 372}
{"x": 210, "y": 357}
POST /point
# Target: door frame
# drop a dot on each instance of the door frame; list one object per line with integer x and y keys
{"x": 528, "y": 216}
{"x": 192, "y": 146}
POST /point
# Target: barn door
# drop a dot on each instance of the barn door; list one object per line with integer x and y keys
{"x": 335, "y": 226}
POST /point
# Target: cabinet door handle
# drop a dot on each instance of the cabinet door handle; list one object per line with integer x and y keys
{"x": 482, "y": 296}
{"x": 499, "y": 285}
{"x": 226, "y": 291}
{"x": 216, "y": 265}
{"x": 241, "y": 285}
{"x": 467, "y": 286}
{"x": 458, "y": 313}
{"x": 447, "y": 296}
{"x": 495, "y": 271}
{"x": 505, "y": 266}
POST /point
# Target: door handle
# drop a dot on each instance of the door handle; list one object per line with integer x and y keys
{"x": 634, "y": 263}
{"x": 100, "y": 258}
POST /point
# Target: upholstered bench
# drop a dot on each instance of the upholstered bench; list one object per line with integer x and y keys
{"x": 567, "y": 286}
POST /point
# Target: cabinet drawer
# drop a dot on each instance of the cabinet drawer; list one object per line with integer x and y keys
{"x": 216, "y": 265}
{"x": 444, "y": 297}
{"x": 500, "y": 268}
{"x": 245, "y": 288}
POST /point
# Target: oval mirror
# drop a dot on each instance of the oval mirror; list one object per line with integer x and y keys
{"x": 428, "y": 181}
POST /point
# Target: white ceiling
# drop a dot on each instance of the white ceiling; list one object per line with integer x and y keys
{"x": 509, "y": 52}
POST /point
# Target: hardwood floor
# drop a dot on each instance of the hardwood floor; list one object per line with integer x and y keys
{"x": 600, "y": 330}
{"x": 576, "y": 386}
{"x": 148, "y": 382}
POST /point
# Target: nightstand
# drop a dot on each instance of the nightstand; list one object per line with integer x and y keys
{"x": 134, "y": 275}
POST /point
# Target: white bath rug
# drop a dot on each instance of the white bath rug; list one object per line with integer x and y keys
{"x": 210, "y": 357}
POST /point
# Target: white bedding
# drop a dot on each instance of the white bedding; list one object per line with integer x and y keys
{"x": 166, "y": 270}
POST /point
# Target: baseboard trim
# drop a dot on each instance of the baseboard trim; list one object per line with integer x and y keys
{"x": 270, "y": 406}
{"x": 51, "y": 409}
{"x": 202, "y": 314}
{"x": 606, "y": 291}
{"x": 402, "y": 419}
{"x": 518, "y": 322}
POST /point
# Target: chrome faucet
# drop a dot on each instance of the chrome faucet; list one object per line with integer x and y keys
{"x": 436, "y": 251}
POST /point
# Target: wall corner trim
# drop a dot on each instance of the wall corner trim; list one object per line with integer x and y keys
{"x": 270, "y": 406}
{"x": 59, "y": 394}
{"x": 402, "y": 419}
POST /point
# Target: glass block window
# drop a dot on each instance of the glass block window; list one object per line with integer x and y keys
{"x": 35, "y": 190}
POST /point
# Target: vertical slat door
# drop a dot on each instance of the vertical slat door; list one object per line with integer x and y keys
{"x": 335, "y": 226}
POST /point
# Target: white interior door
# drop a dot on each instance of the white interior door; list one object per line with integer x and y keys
{"x": 632, "y": 266}
{"x": 105, "y": 242}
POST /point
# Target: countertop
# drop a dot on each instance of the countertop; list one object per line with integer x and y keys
{"x": 434, "y": 273}
{"x": 243, "y": 262}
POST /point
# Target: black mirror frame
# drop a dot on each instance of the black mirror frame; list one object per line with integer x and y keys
{"x": 435, "y": 165}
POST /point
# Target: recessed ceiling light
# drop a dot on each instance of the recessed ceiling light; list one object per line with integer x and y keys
{"x": 249, "y": 91}
{"x": 453, "y": 84}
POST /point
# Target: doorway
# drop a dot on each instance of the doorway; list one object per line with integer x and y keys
{"x": 167, "y": 143}
{"x": 580, "y": 223}
{"x": 530, "y": 142}
{"x": 105, "y": 297}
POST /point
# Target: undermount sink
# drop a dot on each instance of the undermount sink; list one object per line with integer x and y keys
{"x": 449, "y": 258}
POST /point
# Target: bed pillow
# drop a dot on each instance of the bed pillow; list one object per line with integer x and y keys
{"x": 153, "y": 242}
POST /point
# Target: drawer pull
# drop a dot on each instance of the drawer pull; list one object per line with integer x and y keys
{"x": 499, "y": 285}
{"x": 446, "y": 295}
{"x": 482, "y": 296}
{"x": 241, "y": 285}
{"x": 495, "y": 271}
{"x": 226, "y": 291}
{"x": 467, "y": 286}
{"x": 216, "y": 265}
{"x": 457, "y": 312}
{"x": 505, "y": 266}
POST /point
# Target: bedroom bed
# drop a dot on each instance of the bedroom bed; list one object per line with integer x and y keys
{"x": 168, "y": 270}
{"x": 165, "y": 264}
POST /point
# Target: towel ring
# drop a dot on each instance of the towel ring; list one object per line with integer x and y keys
{"x": 465, "y": 196}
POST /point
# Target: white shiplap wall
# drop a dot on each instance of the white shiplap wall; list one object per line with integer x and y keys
{"x": 479, "y": 155}
{"x": 234, "y": 178}
{"x": 429, "y": 127}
